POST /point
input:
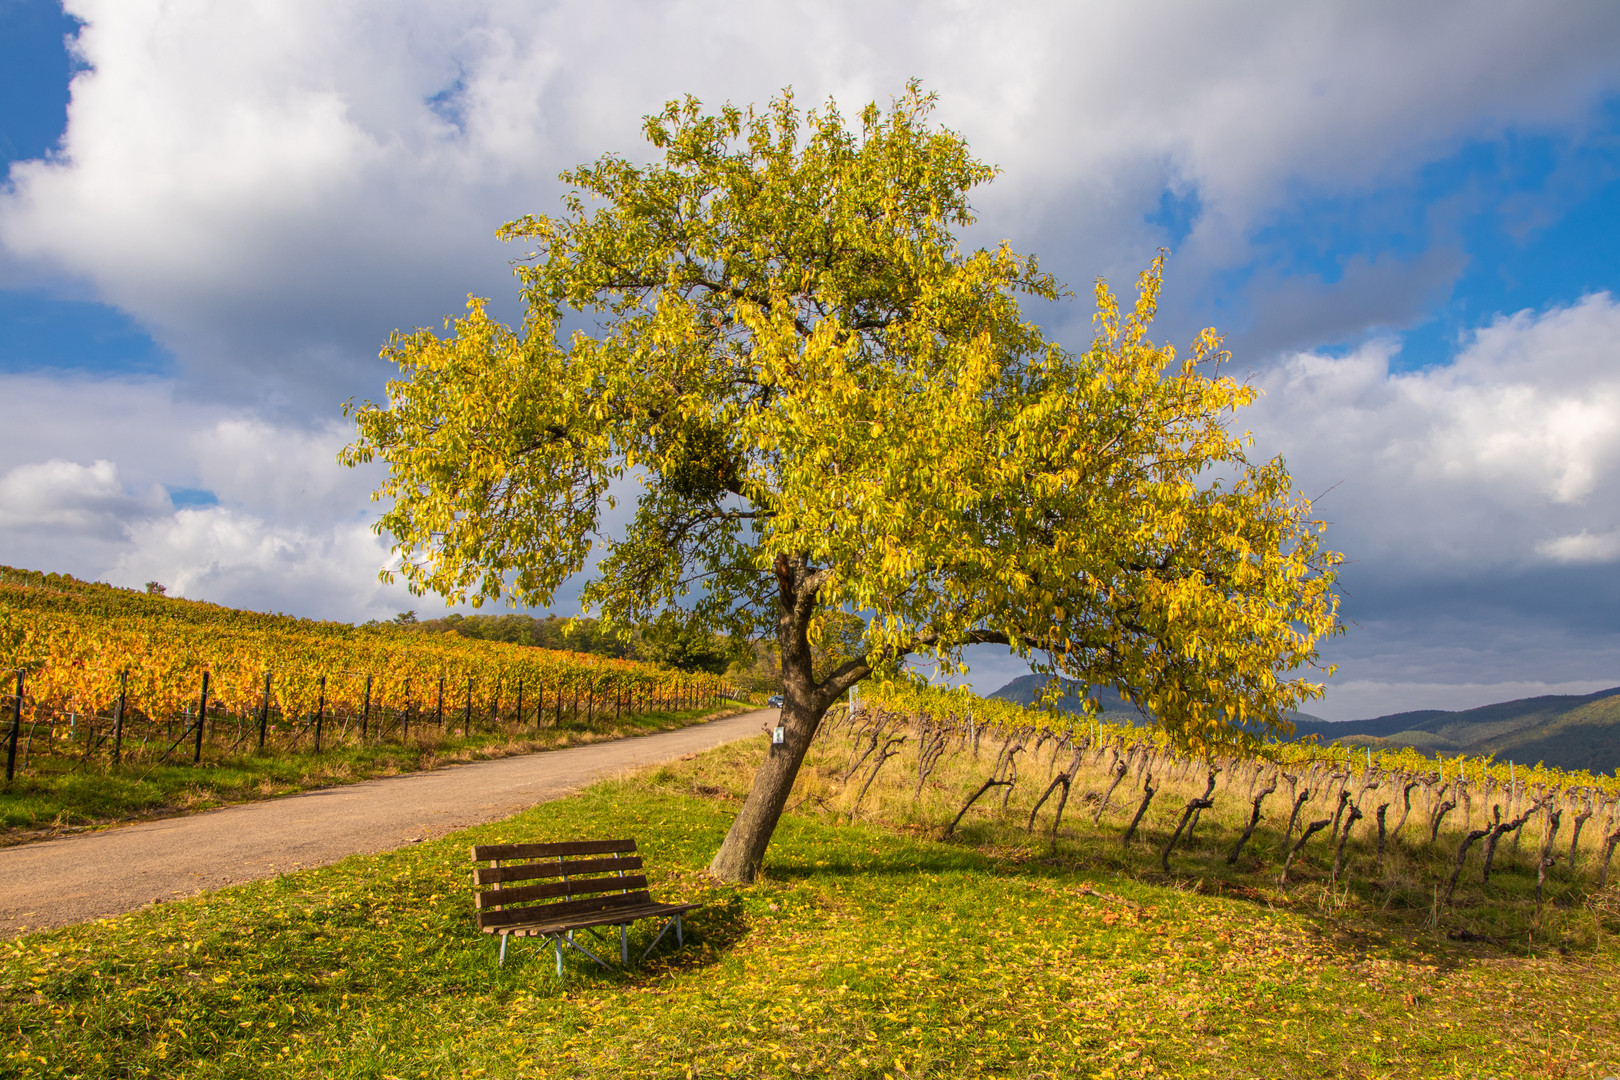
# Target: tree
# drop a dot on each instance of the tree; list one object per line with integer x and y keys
{"x": 825, "y": 408}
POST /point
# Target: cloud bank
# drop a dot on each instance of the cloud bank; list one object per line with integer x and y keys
{"x": 271, "y": 189}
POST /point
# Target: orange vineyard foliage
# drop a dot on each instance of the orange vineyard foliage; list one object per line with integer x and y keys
{"x": 81, "y": 645}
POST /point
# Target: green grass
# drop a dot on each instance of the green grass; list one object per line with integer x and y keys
{"x": 61, "y": 795}
{"x": 864, "y": 951}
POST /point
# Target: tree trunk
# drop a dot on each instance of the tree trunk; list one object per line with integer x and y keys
{"x": 1254, "y": 820}
{"x": 804, "y": 703}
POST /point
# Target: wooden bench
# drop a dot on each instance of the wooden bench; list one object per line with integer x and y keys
{"x": 598, "y": 883}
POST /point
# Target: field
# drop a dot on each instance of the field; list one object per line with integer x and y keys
{"x": 118, "y": 704}
{"x": 870, "y": 948}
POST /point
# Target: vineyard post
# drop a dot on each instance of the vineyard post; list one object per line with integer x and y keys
{"x": 438, "y": 711}
{"x": 520, "y": 702}
{"x": 264, "y": 711}
{"x": 365, "y": 716}
{"x": 118, "y": 717}
{"x": 202, "y": 715}
{"x": 466, "y": 716}
{"x": 320, "y": 714}
{"x": 16, "y": 727}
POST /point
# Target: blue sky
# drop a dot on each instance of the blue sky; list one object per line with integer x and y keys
{"x": 1404, "y": 219}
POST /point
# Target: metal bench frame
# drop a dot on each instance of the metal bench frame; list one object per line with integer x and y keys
{"x": 596, "y": 890}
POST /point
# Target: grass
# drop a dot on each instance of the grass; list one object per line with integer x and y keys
{"x": 866, "y": 950}
{"x": 61, "y": 795}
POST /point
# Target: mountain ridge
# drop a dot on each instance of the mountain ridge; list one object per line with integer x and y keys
{"x": 1567, "y": 731}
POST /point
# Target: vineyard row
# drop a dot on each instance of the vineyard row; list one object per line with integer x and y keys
{"x": 84, "y": 684}
{"x": 1454, "y": 813}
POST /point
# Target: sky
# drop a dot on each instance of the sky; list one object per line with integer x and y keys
{"x": 1403, "y": 217}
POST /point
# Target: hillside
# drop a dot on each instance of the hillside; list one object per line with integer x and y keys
{"x": 1023, "y": 691}
{"x": 1564, "y": 731}
{"x": 1572, "y": 732}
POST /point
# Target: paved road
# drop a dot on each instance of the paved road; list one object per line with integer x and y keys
{"x": 95, "y": 875}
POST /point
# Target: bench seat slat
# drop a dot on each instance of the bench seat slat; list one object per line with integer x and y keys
{"x": 564, "y": 910}
{"x": 490, "y": 875}
{"x": 652, "y": 909}
{"x": 565, "y": 848}
{"x": 496, "y": 898}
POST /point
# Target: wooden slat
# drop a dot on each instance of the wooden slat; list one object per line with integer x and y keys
{"x": 486, "y": 852}
{"x": 572, "y": 887}
{"x": 648, "y": 910}
{"x": 490, "y": 875}
{"x": 565, "y": 910}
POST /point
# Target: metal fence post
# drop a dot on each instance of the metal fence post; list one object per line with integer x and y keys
{"x": 16, "y": 727}
{"x": 264, "y": 711}
{"x": 202, "y": 718}
{"x": 320, "y": 713}
{"x": 118, "y": 719}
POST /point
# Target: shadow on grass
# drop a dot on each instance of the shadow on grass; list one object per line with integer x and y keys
{"x": 710, "y": 933}
{"x": 1386, "y": 920}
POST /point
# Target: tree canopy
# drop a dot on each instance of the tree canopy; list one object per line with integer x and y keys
{"x": 825, "y": 409}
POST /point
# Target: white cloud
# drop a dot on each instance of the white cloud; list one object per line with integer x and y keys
{"x": 1500, "y": 460}
{"x": 230, "y": 557}
{"x": 87, "y": 464}
{"x": 1582, "y": 547}
{"x": 273, "y": 187}
{"x": 72, "y": 500}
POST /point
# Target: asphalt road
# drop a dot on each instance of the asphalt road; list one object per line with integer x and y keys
{"x": 99, "y": 874}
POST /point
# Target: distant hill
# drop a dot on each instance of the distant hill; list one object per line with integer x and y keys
{"x": 1565, "y": 731}
{"x": 1024, "y": 689}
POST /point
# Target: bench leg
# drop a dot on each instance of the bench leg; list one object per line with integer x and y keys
{"x": 503, "y": 950}
{"x": 557, "y": 941}
{"x": 624, "y": 945}
{"x": 676, "y": 923}
{"x": 572, "y": 944}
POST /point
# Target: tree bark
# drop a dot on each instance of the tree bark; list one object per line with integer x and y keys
{"x": 1147, "y": 797}
{"x": 1310, "y": 830}
{"x": 1439, "y": 816}
{"x": 1254, "y": 820}
{"x": 1547, "y": 859}
{"x": 1288, "y": 833}
{"x": 988, "y": 784}
{"x": 1462, "y": 855}
{"x": 1609, "y": 843}
{"x": 804, "y": 703}
{"x": 888, "y": 752}
{"x": 1193, "y": 807}
{"x": 1354, "y": 816}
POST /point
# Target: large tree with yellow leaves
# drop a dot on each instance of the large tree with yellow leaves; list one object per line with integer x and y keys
{"x": 826, "y": 409}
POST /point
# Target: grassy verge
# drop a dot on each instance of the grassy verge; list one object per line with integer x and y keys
{"x": 60, "y": 796}
{"x": 865, "y": 951}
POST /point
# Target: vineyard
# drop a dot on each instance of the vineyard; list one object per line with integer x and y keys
{"x": 1426, "y": 833}
{"x": 97, "y": 674}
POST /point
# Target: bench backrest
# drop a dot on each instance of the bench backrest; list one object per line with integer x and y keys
{"x": 576, "y": 878}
